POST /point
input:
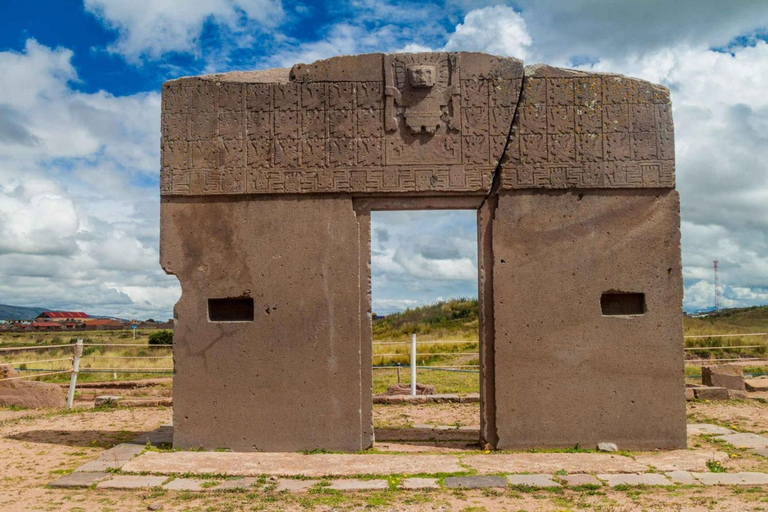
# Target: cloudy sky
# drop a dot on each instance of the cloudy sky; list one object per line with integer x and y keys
{"x": 80, "y": 128}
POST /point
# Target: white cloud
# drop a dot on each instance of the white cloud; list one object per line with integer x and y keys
{"x": 599, "y": 29}
{"x": 721, "y": 132}
{"x": 75, "y": 232}
{"x": 152, "y": 28}
{"x": 497, "y": 30}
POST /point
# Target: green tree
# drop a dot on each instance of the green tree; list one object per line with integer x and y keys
{"x": 162, "y": 337}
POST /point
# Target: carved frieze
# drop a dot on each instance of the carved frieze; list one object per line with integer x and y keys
{"x": 429, "y": 122}
{"x": 578, "y": 130}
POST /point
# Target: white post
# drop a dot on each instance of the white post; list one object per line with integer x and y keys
{"x": 413, "y": 365}
{"x": 75, "y": 368}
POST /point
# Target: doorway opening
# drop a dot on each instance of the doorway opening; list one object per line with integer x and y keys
{"x": 424, "y": 284}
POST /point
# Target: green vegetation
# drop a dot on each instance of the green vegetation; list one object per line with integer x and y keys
{"x": 161, "y": 337}
{"x": 455, "y": 319}
{"x": 729, "y": 321}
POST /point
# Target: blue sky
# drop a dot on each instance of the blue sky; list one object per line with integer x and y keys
{"x": 80, "y": 111}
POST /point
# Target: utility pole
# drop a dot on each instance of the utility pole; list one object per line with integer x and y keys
{"x": 717, "y": 287}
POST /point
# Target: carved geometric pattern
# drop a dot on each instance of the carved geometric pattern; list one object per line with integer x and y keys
{"x": 590, "y": 131}
{"x": 571, "y": 131}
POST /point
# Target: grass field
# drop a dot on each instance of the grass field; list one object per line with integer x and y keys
{"x": 447, "y": 334}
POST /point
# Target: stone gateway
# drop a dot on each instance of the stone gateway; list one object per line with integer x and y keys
{"x": 268, "y": 181}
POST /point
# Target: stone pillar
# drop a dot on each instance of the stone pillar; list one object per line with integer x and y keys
{"x": 283, "y": 369}
{"x": 587, "y": 292}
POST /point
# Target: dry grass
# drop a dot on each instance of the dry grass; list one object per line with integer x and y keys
{"x": 94, "y": 357}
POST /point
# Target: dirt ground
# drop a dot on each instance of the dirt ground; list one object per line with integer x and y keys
{"x": 37, "y": 447}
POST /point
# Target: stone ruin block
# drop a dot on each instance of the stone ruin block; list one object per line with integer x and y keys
{"x": 268, "y": 179}
{"x": 729, "y": 376}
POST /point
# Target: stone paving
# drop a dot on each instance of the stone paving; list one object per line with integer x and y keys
{"x": 119, "y": 468}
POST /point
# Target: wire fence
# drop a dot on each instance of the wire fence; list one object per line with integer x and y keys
{"x": 58, "y": 366}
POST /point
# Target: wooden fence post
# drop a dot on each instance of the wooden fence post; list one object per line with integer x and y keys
{"x": 75, "y": 369}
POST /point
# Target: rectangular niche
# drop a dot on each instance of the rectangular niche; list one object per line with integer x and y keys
{"x": 230, "y": 310}
{"x": 622, "y": 303}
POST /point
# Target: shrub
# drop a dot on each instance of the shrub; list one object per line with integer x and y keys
{"x": 163, "y": 337}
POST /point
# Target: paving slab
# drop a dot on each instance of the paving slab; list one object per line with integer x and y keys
{"x": 289, "y": 485}
{"x": 681, "y": 477}
{"x": 419, "y": 483}
{"x": 475, "y": 482}
{"x": 186, "y": 484}
{"x": 236, "y": 484}
{"x": 427, "y": 433}
{"x": 695, "y": 429}
{"x": 553, "y": 462}
{"x": 635, "y": 479}
{"x": 359, "y": 485}
{"x": 732, "y": 478}
{"x": 79, "y": 479}
{"x": 680, "y": 460}
{"x": 543, "y": 481}
{"x": 756, "y": 384}
{"x": 162, "y": 435}
{"x": 132, "y": 482}
{"x": 114, "y": 458}
{"x": 290, "y": 464}
{"x": 745, "y": 440}
{"x": 577, "y": 480}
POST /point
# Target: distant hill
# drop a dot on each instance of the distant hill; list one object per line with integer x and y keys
{"x": 8, "y": 312}
{"x": 735, "y": 320}
{"x": 454, "y": 319}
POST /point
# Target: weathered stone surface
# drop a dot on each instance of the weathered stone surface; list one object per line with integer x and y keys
{"x": 607, "y": 447}
{"x": 236, "y": 484}
{"x": 162, "y": 435}
{"x": 379, "y": 129}
{"x": 588, "y": 130}
{"x": 729, "y": 376}
{"x": 706, "y": 428}
{"x": 26, "y": 393}
{"x": 579, "y": 480}
{"x": 681, "y": 477}
{"x": 706, "y": 393}
{"x": 532, "y": 481}
{"x": 405, "y": 389}
{"x": 103, "y": 400}
{"x": 745, "y": 440}
{"x": 689, "y": 394}
{"x": 359, "y": 485}
{"x": 680, "y": 460}
{"x": 632, "y": 479}
{"x": 231, "y": 378}
{"x": 290, "y": 464}
{"x": 276, "y": 276}
{"x": 131, "y": 482}
{"x": 186, "y": 484}
{"x": 295, "y": 485}
{"x": 114, "y": 458}
{"x": 419, "y": 483}
{"x": 428, "y": 432}
{"x": 763, "y": 452}
{"x": 615, "y": 377}
{"x": 732, "y": 478}
{"x": 79, "y": 479}
{"x": 475, "y": 482}
{"x": 734, "y": 394}
{"x": 552, "y": 462}
{"x": 760, "y": 384}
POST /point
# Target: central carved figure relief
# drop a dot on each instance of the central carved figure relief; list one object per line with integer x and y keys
{"x": 268, "y": 180}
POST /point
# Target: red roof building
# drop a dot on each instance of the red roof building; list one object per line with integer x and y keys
{"x": 60, "y": 316}
{"x": 46, "y": 326}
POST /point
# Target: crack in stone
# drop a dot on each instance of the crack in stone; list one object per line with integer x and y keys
{"x": 496, "y": 180}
